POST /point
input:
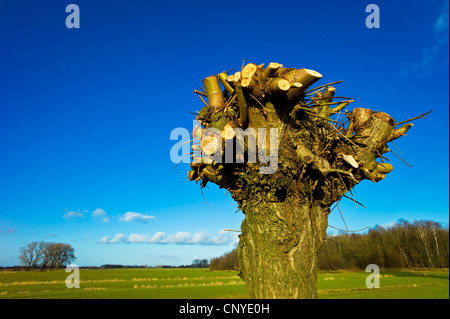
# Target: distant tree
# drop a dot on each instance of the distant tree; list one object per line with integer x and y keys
{"x": 200, "y": 263}
{"x": 404, "y": 245}
{"x": 52, "y": 255}
{"x": 204, "y": 263}
{"x": 31, "y": 254}
{"x": 59, "y": 254}
{"x": 228, "y": 261}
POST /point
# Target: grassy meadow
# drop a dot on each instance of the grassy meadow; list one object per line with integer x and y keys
{"x": 192, "y": 283}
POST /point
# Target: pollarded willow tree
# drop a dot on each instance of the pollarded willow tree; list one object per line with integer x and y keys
{"x": 318, "y": 152}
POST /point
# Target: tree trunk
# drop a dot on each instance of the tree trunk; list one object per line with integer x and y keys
{"x": 278, "y": 248}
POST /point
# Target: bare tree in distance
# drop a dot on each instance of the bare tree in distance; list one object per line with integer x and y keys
{"x": 48, "y": 255}
{"x": 31, "y": 254}
{"x": 322, "y": 152}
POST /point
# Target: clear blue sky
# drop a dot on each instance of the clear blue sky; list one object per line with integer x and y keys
{"x": 86, "y": 115}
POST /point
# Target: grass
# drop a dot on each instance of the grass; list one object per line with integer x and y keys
{"x": 188, "y": 283}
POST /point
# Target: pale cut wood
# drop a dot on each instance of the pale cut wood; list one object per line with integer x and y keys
{"x": 249, "y": 70}
{"x": 237, "y": 76}
{"x": 278, "y": 85}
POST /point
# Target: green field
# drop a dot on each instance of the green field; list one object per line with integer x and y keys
{"x": 188, "y": 283}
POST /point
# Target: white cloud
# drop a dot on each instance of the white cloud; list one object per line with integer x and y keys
{"x": 73, "y": 215}
{"x": 105, "y": 239}
{"x": 137, "y": 238}
{"x": 135, "y": 217}
{"x": 99, "y": 213}
{"x": 157, "y": 237}
{"x": 179, "y": 238}
{"x": 119, "y": 237}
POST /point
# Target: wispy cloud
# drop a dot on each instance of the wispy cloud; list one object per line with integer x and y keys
{"x": 429, "y": 60}
{"x": 179, "y": 238}
{"x": 100, "y": 214}
{"x": 135, "y": 217}
{"x": 8, "y": 231}
{"x": 441, "y": 24}
{"x": 70, "y": 215}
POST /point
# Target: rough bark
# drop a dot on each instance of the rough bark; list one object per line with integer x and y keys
{"x": 319, "y": 159}
{"x": 278, "y": 248}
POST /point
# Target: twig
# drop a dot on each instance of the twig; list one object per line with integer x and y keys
{"x": 180, "y": 161}
{"x": 342, "y": 134}
{"x": 322, "y": 86}
{"x": 334, "y": 97}
{"x": 200, "y": 93}
{"x": 342, "y": 217}
{"x": 201, "y": 189}
{"x": 347, "y": 189}
{"x": 402, "y": 160}
{"x": 203, "y": 100}
{"x": 414, "y": 118}
{"x": 353, "y": 199}
{"x": 257, "y": 101}
{"x": 331, "y": 210}
{"x": 396, "y": 147}
{"x": 191, "y": 140}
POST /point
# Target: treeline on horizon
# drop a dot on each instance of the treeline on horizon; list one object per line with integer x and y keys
{"x": 420, "y": 244}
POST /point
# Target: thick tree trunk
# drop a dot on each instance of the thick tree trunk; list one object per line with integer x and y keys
{"x": 278, "y": 248}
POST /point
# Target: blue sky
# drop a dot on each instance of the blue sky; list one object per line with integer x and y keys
{"x": 86, "y": 115}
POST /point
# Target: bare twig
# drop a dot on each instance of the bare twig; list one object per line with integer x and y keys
{"x": 322, "y": 86}
{"x": 414, "y": 118}
{"x": 342, "y": 134}
{"x": 203, "y": 100}
{"x": 402, "y": 160}
{"x": 353, "y": 199}
{"x": 396, "y": 147}
{"x": 337, "y": 205}
{"x": 200, "y": 93}
{"x": 180, "y": 161}
{"x": 201, "y": 189}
